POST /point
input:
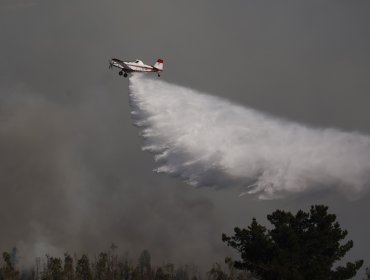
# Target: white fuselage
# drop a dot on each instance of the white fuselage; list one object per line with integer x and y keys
{"x": 136, "y": 66}
{"x": 139, "y": 67}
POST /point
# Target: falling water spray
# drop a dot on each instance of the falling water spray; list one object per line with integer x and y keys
{"x": 210, "y": 141}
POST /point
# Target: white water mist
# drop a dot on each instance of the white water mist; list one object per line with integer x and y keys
{"x": 210, "y": 141}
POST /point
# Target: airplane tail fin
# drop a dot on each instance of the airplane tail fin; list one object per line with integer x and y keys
{"x": 159, "y": 64}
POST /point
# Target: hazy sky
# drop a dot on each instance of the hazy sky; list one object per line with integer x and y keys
{"x": 73, "y": 176}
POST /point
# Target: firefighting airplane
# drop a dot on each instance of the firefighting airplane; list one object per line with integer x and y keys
{"x": 135, "y": 66}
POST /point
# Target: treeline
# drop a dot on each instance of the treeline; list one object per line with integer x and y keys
{"x": 298, "y": 246}
{"x": 110, "y": 266}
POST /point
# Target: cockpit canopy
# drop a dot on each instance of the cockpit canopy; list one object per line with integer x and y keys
{"x": 137, "y": 61}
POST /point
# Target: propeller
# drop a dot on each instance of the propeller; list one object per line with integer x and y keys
{"x": 110, "y": 64}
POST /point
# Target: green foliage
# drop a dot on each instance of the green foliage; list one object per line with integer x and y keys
{"x": 301, "y": 246}
{"x": 83, "y": 271}
{"x": 53, "y": 269}
{"x": 102, "y": 267}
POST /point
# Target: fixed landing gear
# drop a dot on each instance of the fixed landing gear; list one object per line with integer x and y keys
{"x": 159, "y": 75}
{"x": 121, "y": 73}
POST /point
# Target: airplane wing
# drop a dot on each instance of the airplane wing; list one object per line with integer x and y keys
{"x": 114, "y": 62}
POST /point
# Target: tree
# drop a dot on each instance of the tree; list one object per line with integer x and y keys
{"x": 301, "y": 246}
{"x": 102, "y": 267}
{"x": 160, "y": 275}
{"x": 216, "y": 273}
{"x": 68, "y": 267}
{"x": 126, "y": 270}
{"x": 230, "y": 266}
{"x": 83, "y": 271}
{"x": 144, "y": 265}
{"x": 240, "y": 275}
{"x": 7, "y": 270}
{"x": 54, "y": 269}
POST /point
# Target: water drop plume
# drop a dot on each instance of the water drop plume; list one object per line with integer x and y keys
{"x": 210, "y": 141}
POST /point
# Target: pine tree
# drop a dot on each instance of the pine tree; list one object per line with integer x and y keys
{"x": 54, "y": 268}
{"x": 301, "y": 246}
{"x": 102, "y": 267}
{"x": 83, "y": 271}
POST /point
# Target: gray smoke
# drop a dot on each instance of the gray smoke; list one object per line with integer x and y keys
{"x": 210, "y": 141}
{"x": 71, "y": 181}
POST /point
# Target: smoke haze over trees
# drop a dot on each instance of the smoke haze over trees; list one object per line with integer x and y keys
{"x": 109, "y": 265}
{"x": 307, "y": 245}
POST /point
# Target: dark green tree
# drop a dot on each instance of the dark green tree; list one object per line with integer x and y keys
{"x": 102, "y": 267}
{"x": 53, "y": 269}
{"x": 301, "y": 246}
{"x": 83, "y": 271}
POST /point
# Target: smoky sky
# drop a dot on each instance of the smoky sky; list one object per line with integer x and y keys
{"x": 72, "y": 173}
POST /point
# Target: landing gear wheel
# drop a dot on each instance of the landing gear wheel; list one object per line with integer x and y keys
{"x": 120, "y": 73}
{"x": 159, "y": 75}
{"x": 125, "y": 75}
